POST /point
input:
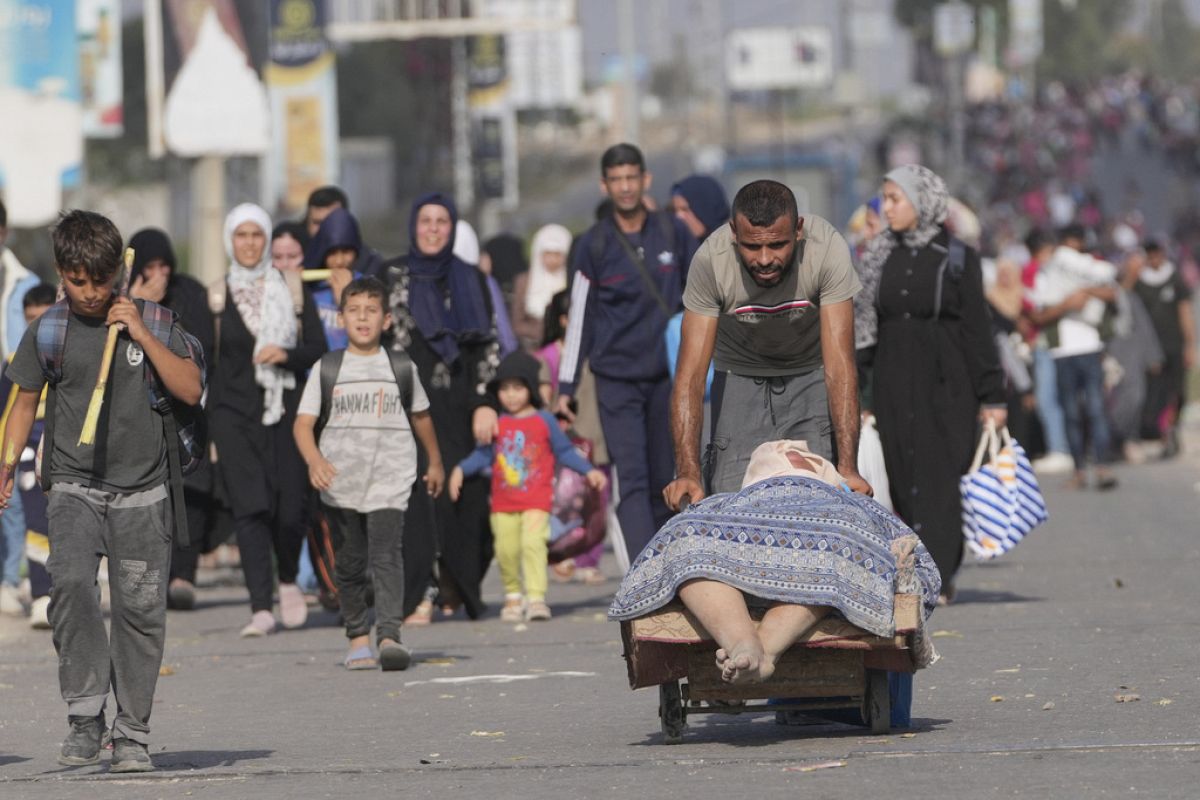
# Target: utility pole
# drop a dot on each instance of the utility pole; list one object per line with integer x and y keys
{"x": 631, "y": 105}
{"x": 464, "y": 173}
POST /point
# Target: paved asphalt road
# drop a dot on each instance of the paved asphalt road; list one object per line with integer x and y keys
{"x": 1100, "y": 602}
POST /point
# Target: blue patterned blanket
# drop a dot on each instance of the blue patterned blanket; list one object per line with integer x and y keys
{"x": 787, "y": 539}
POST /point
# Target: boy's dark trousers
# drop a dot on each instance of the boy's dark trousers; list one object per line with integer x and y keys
{"x": 372, "y": 539}
{"x": 134, "y": 531}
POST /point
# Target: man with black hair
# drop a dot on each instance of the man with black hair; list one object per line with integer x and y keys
{"x": 321, "y": 203}
{"x": 1168, "y": 298}
{"x": 630, "y": 269}
{"x": 769, "y": 302}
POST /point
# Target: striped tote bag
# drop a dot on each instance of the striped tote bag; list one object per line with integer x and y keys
{"x": 1001, "y": 500}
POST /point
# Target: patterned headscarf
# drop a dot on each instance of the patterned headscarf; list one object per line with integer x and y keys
{"x": 927, "y": 192}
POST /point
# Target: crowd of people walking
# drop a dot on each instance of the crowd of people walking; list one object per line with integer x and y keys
{"x": 381, "y": 429}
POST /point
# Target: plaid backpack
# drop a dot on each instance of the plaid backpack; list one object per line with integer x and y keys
{"x": 184, "y": 426}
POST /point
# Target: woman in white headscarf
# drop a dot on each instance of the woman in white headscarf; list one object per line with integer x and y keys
{"x": 268, "y": 336}
{"x": 547, "y": 276}
{"x": 936, "y": 369}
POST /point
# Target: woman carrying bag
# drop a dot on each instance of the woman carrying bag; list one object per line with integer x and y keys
{"x": 936, "y": 371}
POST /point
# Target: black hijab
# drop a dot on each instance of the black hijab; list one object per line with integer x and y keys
{"x": 434, "y": 278}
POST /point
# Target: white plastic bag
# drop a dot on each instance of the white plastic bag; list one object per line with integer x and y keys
{"x": 870, "y": 463}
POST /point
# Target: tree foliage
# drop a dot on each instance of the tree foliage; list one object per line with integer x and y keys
{"x": 1087, "y": 38}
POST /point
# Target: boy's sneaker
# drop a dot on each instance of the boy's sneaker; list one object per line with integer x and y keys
{"x": 394, "y": 656}
{"x": 538, "y": 611}
{"x": 82, "y": 745}
{"x": 130, "y": 756}
{"x": 513, "y": 610}
{"x": 39, "y": 614}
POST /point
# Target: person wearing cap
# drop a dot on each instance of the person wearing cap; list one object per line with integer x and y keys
{"x": 155, "y": 276}
{"x": 522, "y": 457}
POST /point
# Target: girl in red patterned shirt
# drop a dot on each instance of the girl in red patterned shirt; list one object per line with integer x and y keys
{"x": 522, "y": 458}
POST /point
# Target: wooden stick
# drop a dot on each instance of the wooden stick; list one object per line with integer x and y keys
{"x": 10, "y": 457}
{"x": 87, "y": 435}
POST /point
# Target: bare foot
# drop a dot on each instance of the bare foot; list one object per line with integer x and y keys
{"x": 745, "y": 663}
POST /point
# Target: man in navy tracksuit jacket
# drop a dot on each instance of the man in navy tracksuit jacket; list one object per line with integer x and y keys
{"x": 617, "y": 324}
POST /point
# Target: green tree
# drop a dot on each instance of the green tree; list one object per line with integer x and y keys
{"x": 1081, "y": 39}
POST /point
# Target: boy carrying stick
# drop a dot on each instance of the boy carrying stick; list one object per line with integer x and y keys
{"x": 110, "y": 498}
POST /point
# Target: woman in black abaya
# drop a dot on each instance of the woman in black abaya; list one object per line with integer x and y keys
{"x": 443, "y": 319}
{"x": 936, "y": 370}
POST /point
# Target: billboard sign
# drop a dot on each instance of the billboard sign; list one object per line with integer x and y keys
{"x": 98, "y": 23}
{"x": 216, "y": 102}
{"x": 41, "y": 138}
{"x": 302, "y": 85}
{"x": 779, "y": 58}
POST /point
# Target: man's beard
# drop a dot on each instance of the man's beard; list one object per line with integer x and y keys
{"x": 755, "y": 272}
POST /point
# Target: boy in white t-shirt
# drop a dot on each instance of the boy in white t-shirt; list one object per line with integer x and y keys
{"x": 365, "y": 468}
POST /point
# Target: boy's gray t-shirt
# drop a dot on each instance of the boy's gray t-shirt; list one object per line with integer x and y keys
{"x": 368, "y": 438}
{"x": 130, "y": 453}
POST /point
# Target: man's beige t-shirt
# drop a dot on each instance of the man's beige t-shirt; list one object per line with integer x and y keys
{"x": 765, "y": 332}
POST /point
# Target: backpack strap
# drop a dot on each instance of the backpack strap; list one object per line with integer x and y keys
{"x": 957, "y": 257}
{"x": 953, "y": 265}
{"x": 330, "y": 366}
{"x": 52, "y": 340}
{"x": 160, "y": 321}
{"x": 402, "y": 369}
{"x": 51, "y": 344}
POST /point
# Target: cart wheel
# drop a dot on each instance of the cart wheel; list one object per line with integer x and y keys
{"x": 671, "y": 712}
{"x": 877, "y": 705}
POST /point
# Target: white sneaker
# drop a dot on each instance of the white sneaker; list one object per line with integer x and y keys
{"x": 10, "y": 601}
{"x": 1054, "y": 464}
{"x": 293, "y": 610}
{"x": 262, "y": 623}
{"x": 39, "y": 614}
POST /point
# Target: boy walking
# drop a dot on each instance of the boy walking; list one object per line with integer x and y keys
{"x": 522, "y": 460}
{"x": 108, "y": 499}
{"x": 371, "y": 403}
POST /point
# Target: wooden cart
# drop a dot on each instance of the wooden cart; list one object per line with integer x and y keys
{"x": 834, "y": 666}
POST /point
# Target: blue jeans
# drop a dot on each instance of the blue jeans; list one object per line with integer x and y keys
{"x": 1084, "y": 375}
{"x": 12, "y": 540}
{"x": 1050, "y": 410}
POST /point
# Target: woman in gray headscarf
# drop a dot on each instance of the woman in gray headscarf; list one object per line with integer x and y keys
{"x": 935, "y": 364}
